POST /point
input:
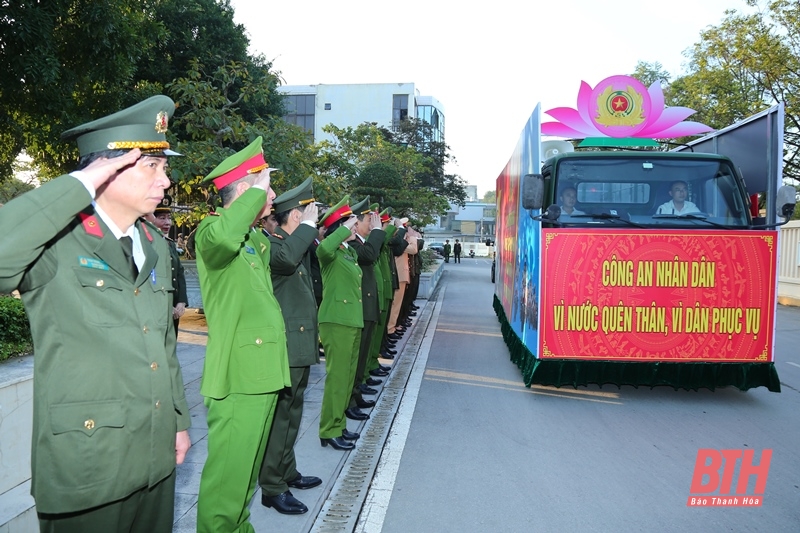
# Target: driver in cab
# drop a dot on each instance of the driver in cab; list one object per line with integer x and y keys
{"x": 679, "y": 205}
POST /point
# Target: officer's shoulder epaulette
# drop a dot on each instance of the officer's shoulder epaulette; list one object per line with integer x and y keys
{"x": 147, "y": 226}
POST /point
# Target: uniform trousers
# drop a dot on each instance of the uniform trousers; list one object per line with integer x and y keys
{"x": 148, "y": 510}
{"x": 376, "y": 344}
{"x": 279, "y": 465}
{"x": 237, "y": 436}
{"x": 361, "y": 364}
{"x": 341, "y": 357}
{"x": 396, "y": 304}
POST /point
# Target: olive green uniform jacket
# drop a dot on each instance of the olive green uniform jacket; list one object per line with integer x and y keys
{"x": 178, "y": 277}
{"x": 108, "y": 392}
{"x": 368, "y": 253}
{"x": 290, "y": 262}
{"x": 246, "y": 351}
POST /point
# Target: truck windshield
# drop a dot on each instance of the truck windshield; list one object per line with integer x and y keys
{"x": 666, "y": 190}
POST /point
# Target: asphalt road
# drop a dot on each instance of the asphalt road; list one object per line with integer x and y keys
{"x": 477, "y": 451}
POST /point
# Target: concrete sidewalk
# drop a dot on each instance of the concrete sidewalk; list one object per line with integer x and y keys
{"x": 312, "y": 458}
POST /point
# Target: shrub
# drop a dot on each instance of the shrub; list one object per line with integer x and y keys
{"x": 15, "y": 332}
{"x": 428, "y": 259}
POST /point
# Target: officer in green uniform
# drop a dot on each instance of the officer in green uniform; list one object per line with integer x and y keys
{"x": 386, "y": 293}
{"x": 163, "y": 221}
{"x": 109, "y": 415}
{"x": 246, "y": 363}
{"x": 340, "y": 322}
{"x": 368, "y": 242}
{"x": 290, "y": 263}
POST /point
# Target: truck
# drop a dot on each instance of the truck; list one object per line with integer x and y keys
{"x": 624, "y": 265}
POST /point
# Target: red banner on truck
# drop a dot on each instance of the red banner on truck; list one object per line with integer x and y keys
{"x": 666, "y": 295}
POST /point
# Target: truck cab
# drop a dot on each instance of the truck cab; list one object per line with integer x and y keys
{"x": 643, "y": 189}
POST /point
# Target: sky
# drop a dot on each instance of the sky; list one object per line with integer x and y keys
{"x": 489, "y": 65}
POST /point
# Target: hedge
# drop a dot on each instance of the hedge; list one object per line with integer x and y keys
{"x": 15, "y": 332}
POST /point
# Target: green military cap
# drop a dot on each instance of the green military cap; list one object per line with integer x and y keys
{"x": 361, "y": 208}
{"x": 165, "y": 206}
{"x": 300, "y": 196}
{"x": 374, "y": 206}
{"x": 249, "y": 160}
{"x": 142, "y": 126}
{"x": 336, "y": 212}
{"x": 386, "y": 214}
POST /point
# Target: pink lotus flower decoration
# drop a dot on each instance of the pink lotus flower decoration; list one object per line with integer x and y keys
{"x": 621, "y": 106}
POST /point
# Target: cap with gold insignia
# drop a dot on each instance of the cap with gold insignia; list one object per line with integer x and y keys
{"x": 142, "y": 126}
{"x": 300, "y": 196}
{"x": 337, "y": 212}
{"x": 165, "y": 206}
{"x": 361, "y": 208}
{"x": 386, "y": 215}
{"x": 249, "y": 160}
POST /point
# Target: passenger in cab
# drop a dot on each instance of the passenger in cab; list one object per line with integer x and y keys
{"x": 679, "y": 205}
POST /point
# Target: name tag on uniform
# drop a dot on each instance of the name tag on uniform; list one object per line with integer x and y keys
{"x": 91, "y": 262}
{"x": 249, "y": 250}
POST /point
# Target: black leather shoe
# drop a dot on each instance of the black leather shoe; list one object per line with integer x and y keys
{"x": 284, "y": 503}
{"x": 390, "y": 351}
{"x": 378, "y": 373}
{"x": 395, "y": 336}
{"x": 407, "y": 323}
{"x": 387, "y": 356}
{"x": 350, "y": 435}
{"x": 412, "y": 313}
{"x": 372, "y": 382}
{"x": 304, "y": 482}
{"x": 365, "y": 404}
{"x": 338, "y": 443}
{"x": 391, "y": 344}
{"x": 353, "y": 413}
{"x": 384, "y": 368}
{"x": 366, "y": 390}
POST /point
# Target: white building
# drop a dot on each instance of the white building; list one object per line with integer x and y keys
{"x": 348, "y": 105}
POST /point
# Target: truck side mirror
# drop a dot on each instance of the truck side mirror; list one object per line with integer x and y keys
{"x": 786, "y": 199}
{"x": 532, "y": 191}
{"x": 552, "y": 213}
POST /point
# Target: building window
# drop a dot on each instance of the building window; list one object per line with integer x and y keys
{"x": 399, "y": 110}
{"x": 434, "y": 117}
{"x": 300, "y": 111}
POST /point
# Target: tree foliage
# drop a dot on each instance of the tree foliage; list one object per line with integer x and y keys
{"x": 66, "y": 62}
{"x": 744, "y": 65}
{"x": 356, "y": 156}
{"x": 210, "y": 124}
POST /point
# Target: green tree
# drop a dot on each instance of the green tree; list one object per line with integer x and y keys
{"x": 348, "y": 162}
{"x": 70, "y": 61}
{"x": 744, "y": 65}
{"x": 65, "y": 62}
{"x": 649, "y": 73}
{"x": 210, "y": 125}
{"x": 419, "y": 135}
{"x": 490, "y": 197}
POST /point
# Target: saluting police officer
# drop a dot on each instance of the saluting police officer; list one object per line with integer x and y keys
{"x": 340, "y": 322}
{"x": 246, "y": 363}
{"x": 367, "y": 244}
{"x": 109, "y": 415}
{"x": 290, "y": 263}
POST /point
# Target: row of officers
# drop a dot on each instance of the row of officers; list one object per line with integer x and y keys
{"x": 339, "y": 279}
{"x": 102, "y": 293}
